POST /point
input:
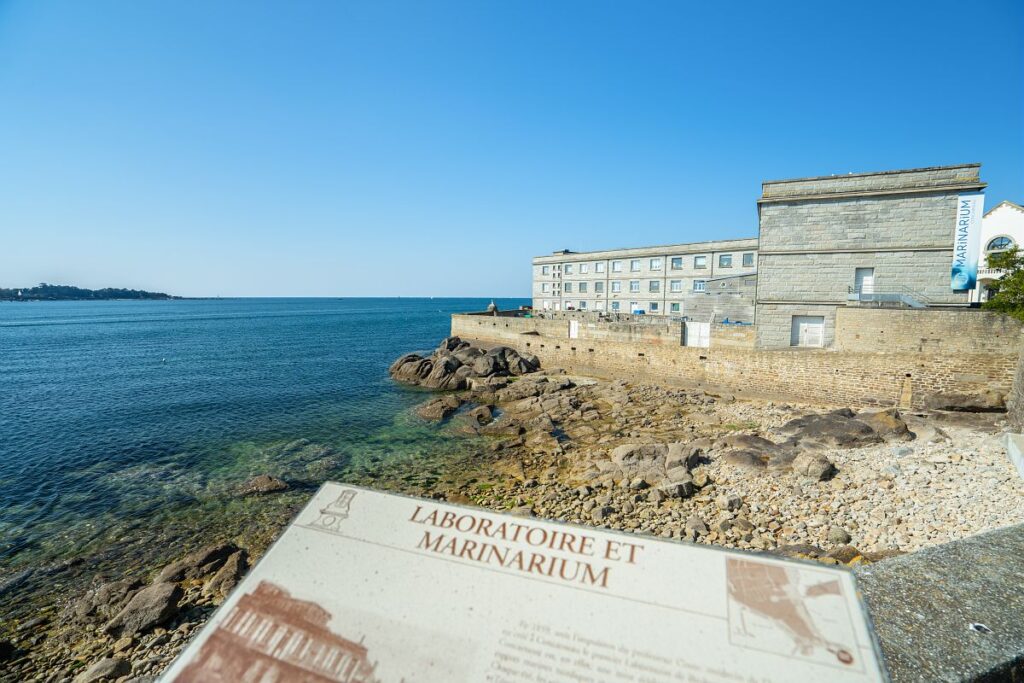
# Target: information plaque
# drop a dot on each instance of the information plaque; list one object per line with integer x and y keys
{"x": 368, "y": 587}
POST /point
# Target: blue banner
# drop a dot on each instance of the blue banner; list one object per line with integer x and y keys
{"x": 966, "y": 241}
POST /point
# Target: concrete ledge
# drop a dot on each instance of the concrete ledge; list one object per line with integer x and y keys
{"x": 924, "y": 605}
{"x": 1015, "y": 449}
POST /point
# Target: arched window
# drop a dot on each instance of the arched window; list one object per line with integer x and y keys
{"x": 1000, "y": 244}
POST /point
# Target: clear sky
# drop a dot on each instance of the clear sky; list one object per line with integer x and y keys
{"x": 431, "y": 148}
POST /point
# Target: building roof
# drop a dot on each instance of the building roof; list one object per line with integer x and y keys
{"x": 923, "y": 169}
{"x": 1007, "y": 203}
{"x": 707, "y": 247}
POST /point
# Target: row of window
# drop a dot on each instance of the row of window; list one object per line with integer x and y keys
{"x": 676, "y": 263}
{"x": 616, "y": 306}
{"x": 616, "y": 286}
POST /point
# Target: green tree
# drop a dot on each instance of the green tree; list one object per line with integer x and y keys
{"x": 1009, "y": 289}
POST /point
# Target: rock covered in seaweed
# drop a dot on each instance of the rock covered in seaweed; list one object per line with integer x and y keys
{"x": 455, "y": 363}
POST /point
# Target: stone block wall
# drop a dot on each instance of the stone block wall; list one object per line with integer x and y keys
{"x": 969, "y": 331}
{"x": 855, "y": 378}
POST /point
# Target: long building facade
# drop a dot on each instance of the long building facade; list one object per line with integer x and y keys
{"x": 680, "y": 280}
{"x": 882, "y": 239}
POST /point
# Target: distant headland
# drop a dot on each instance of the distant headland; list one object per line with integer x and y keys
{"x": 48, "y": 292}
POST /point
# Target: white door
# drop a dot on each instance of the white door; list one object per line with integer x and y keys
{"x": 547, "y": 305}
{"x": 807, "y": 330}
{"x": 864, "y": 280}
{"x": 697, "y": 334}
{"x": 574, "y": 329}
{"x": 558, "y": 305}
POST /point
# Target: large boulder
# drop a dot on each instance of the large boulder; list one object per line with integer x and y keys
{"x": 455, "y": 364}
{"x": 200, "y": 563}
{"x": 150, "y": 607}
{"x": 439, "y": 408}
{"x": 887, "y": 424}
{"x": 106, "y": 669}
{"x": 105, "y": 600}
{"x": 261, "y": 484}
{"x": 838, "y": 429}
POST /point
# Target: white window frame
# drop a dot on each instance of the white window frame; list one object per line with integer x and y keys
{"x": 616, "y": 266}
{"x": 544, "y": 270}
{"x": 725, "y": 260}
{"x": 544, "y": 287}
{"x": 674, "y": 307}
{"x": 615, "y": 305}
{"x": 599, "y": 267}
{"x": 616, "y": 286}
{"x": 582, "y": 289}
{"x": 654, "y": 286}
{"x": 583, "y": 305}
{"x": 673, "y": 265}
{"x": 655, "y": 263}
{"x": 751, "y": 259}
{"x": 700, "y": 285}
{"x": 700, "y": 262}
{"x": 653, "y": 307}
{"x": 599, "y": 287}
{"x": 634, "y": 265}
{"x": 584, "y": 268}
{"x": 634, "y": 286}
{"x": 675, "y": 286}
{"x": 568, "y": 269}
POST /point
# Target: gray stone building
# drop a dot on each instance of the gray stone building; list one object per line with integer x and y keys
{"x": 861, "y": 239}
{"x": 697, "y": 280}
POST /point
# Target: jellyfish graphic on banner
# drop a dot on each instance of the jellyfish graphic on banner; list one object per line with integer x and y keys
{"x": 966, "y": 241}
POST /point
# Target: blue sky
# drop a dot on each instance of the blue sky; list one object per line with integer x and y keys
{"x": 431, "y": 148}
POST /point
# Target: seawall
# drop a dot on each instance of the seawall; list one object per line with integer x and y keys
{"x": 881, "y": 357}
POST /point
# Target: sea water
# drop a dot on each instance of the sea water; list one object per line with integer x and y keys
{"x": 127, "y": 426}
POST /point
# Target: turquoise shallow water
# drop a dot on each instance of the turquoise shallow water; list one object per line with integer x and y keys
{"x": 128, "y": 424}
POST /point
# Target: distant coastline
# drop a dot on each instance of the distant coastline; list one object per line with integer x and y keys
{"x": 48, "y": 292}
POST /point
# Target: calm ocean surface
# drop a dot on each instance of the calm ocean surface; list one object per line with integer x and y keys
{"x": 123, "y": 422}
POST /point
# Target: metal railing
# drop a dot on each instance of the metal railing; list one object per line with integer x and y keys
{"x": 880, "y": 294}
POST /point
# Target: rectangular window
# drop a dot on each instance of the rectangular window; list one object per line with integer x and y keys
{"x": 676, "y": 285}
{"x": 700, "y": 261}
{"x": 583, "y": 305}
{"x": 674, "y": 308}
{"x": 634, "y": 307}
{"x": 616, "y": 266}
{"x": 634, "y": 266}
{"x": 583, "y": 288}
{"x": 544, "y": 287}
{"x": 698, "y": 285}
{"x": 677, "y": 263}
{"x": 654, "y": 286}
{"x": 584, "y": 268}
{"x": 599, "y": 287}
{"x": 543, "y": 270}
{"x": 616, "y": 286}
{"x": 655, "y": 264}
{"x": 615, "y": 305}
{"x": 599, "y": 267}
{"x": 568, "y": 269}
{"x": 725, "y": 260}
{"x": 568, "y": 288}
{"x": 634, "y": 285}
{"x": 748, "y": 260}
{"x": 654, "y": 307}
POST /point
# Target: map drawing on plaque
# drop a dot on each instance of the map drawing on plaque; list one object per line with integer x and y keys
{"x": 790, "y": 610}
{"x": 271, "y": 636}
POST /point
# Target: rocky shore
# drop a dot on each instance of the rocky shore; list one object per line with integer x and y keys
{"x": 823, "y": 482}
